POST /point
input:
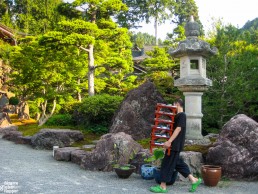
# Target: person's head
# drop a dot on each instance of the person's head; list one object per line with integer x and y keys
{"x": 179, "y": 102}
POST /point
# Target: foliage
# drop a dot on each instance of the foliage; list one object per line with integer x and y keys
{"x": 156, "y": 158}
{"x": 182, "y": 10}
{"x": 135, "y": 14}
{"x": 251, "y": 25}
{"x": 34, "y": 109}
{"x": 30, "y": 16}
{"x": 97, "y": 129}
{"x": 160, "y": 69}
{"x": 145, "y": 143}
{"x": 69, "y": 107}
{"x": 111, "y": 59}
{"x": 234, "y": 74}
{"x": 14, "y": 101}
{"x": 98, "y": 109}
{"x": 60, "y": 120}
{"x": 143, "y": 39}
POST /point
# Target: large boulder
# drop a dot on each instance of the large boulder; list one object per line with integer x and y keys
{"x": 194, "y": 160}
{"x": 137, "y": 111}
{"x": 236, "y": 148}
{"x": 5, "y": 120}
{"x": 111, "y": 149}
{"x": 47, "y": 138}
{"x": 11, "y": 133}
{"x": 64, "y": 154}
{"x": 77, "y": 156}
{"x": 7, "y": 129}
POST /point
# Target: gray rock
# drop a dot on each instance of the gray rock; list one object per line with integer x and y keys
{"x": 7, "y": 129}
{"x": 47, "y": 138}
{"x": 12, "y": 136}
{"x": 4, "y": 101}
{"x": 10, "y": 133}
{"x": 236, "y": 148}
{"x": 205, "y": 141}
{"x": 112, "y": 148}
{"x": 89, "y": 146}
{"x": 64, "y": 154}
{"x": 194, "y": 160}
{"x": 137, "y": 112}
{"x": 77, "y": 155}
{"x": 23, "y": 140}
{"x": 5, "y": 120}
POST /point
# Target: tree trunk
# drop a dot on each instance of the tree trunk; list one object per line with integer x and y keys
{"x": 79, "y": 97}
{"x": 45, "y": 117}
{"x": 156, "y": 31}
{"x": 91, "y": 56}
{"x": 91, "y": 71}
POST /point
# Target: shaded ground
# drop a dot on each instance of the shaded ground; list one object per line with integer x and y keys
{"x": 35, "y": 171}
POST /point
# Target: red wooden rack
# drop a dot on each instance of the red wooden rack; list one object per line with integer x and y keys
{"x": 162, "y": 129}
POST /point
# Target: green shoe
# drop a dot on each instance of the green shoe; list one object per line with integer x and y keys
{"x": 158, "y": 189}
{"x": 195, "y": 185}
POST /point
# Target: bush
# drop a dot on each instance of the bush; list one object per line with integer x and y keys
{"x": 98, "y": 109}
{"x": 34, "y": 109}
{"x": 60, "y": 120}
{"x": 69, "y": 107}
{"x": 98, "y": 129}
{"x": 14, "y": 101}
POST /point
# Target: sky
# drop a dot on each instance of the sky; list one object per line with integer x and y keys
{"x": 235, "y": 12}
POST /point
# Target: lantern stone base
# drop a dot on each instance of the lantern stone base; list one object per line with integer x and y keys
{"x": 193, "y": 110}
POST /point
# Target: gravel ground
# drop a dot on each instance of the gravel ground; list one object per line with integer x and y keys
{"x": 25, "y": 170}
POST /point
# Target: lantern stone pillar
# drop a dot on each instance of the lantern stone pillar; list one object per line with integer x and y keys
{"x": 193, "y": 81}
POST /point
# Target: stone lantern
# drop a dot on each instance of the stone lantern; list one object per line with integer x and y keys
{"x": 193, "y": 81}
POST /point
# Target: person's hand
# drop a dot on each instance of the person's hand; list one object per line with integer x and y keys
{"x": 167, "y": 145}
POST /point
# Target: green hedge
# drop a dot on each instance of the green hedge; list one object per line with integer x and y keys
{"x": 60, "y": 120}
{"x": 98, "y": 109}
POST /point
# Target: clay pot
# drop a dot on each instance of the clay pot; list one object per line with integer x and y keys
{"x": 124, "y": 171}
{"x": 211, "y": 175}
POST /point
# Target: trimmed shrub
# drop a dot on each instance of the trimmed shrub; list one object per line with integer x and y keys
{"x": 14, "y": 101}
{"x": 60, "y": 120}
{"x": 98, "y": 109}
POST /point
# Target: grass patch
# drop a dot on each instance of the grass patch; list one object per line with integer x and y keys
{"x": 16, "y": 121}
{"x": 29, "y": 129}
{"x": 198, "y": 148}
{"x": 88, "y": 139}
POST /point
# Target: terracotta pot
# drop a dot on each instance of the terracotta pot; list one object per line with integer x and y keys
{"x": 211, "y": 175}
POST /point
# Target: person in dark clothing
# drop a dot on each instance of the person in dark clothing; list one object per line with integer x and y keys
{"x": 173, "y": 161}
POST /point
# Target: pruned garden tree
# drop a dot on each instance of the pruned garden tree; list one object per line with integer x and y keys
{"x": 41, "y": 74}
{"x": 112, "y": 53}
{"x": 160, "y": 67}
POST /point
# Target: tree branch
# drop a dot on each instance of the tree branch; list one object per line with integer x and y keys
{"x": 87, "y": 50}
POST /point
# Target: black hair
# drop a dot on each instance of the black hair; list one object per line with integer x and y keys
{"x": 180, "y": 102}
